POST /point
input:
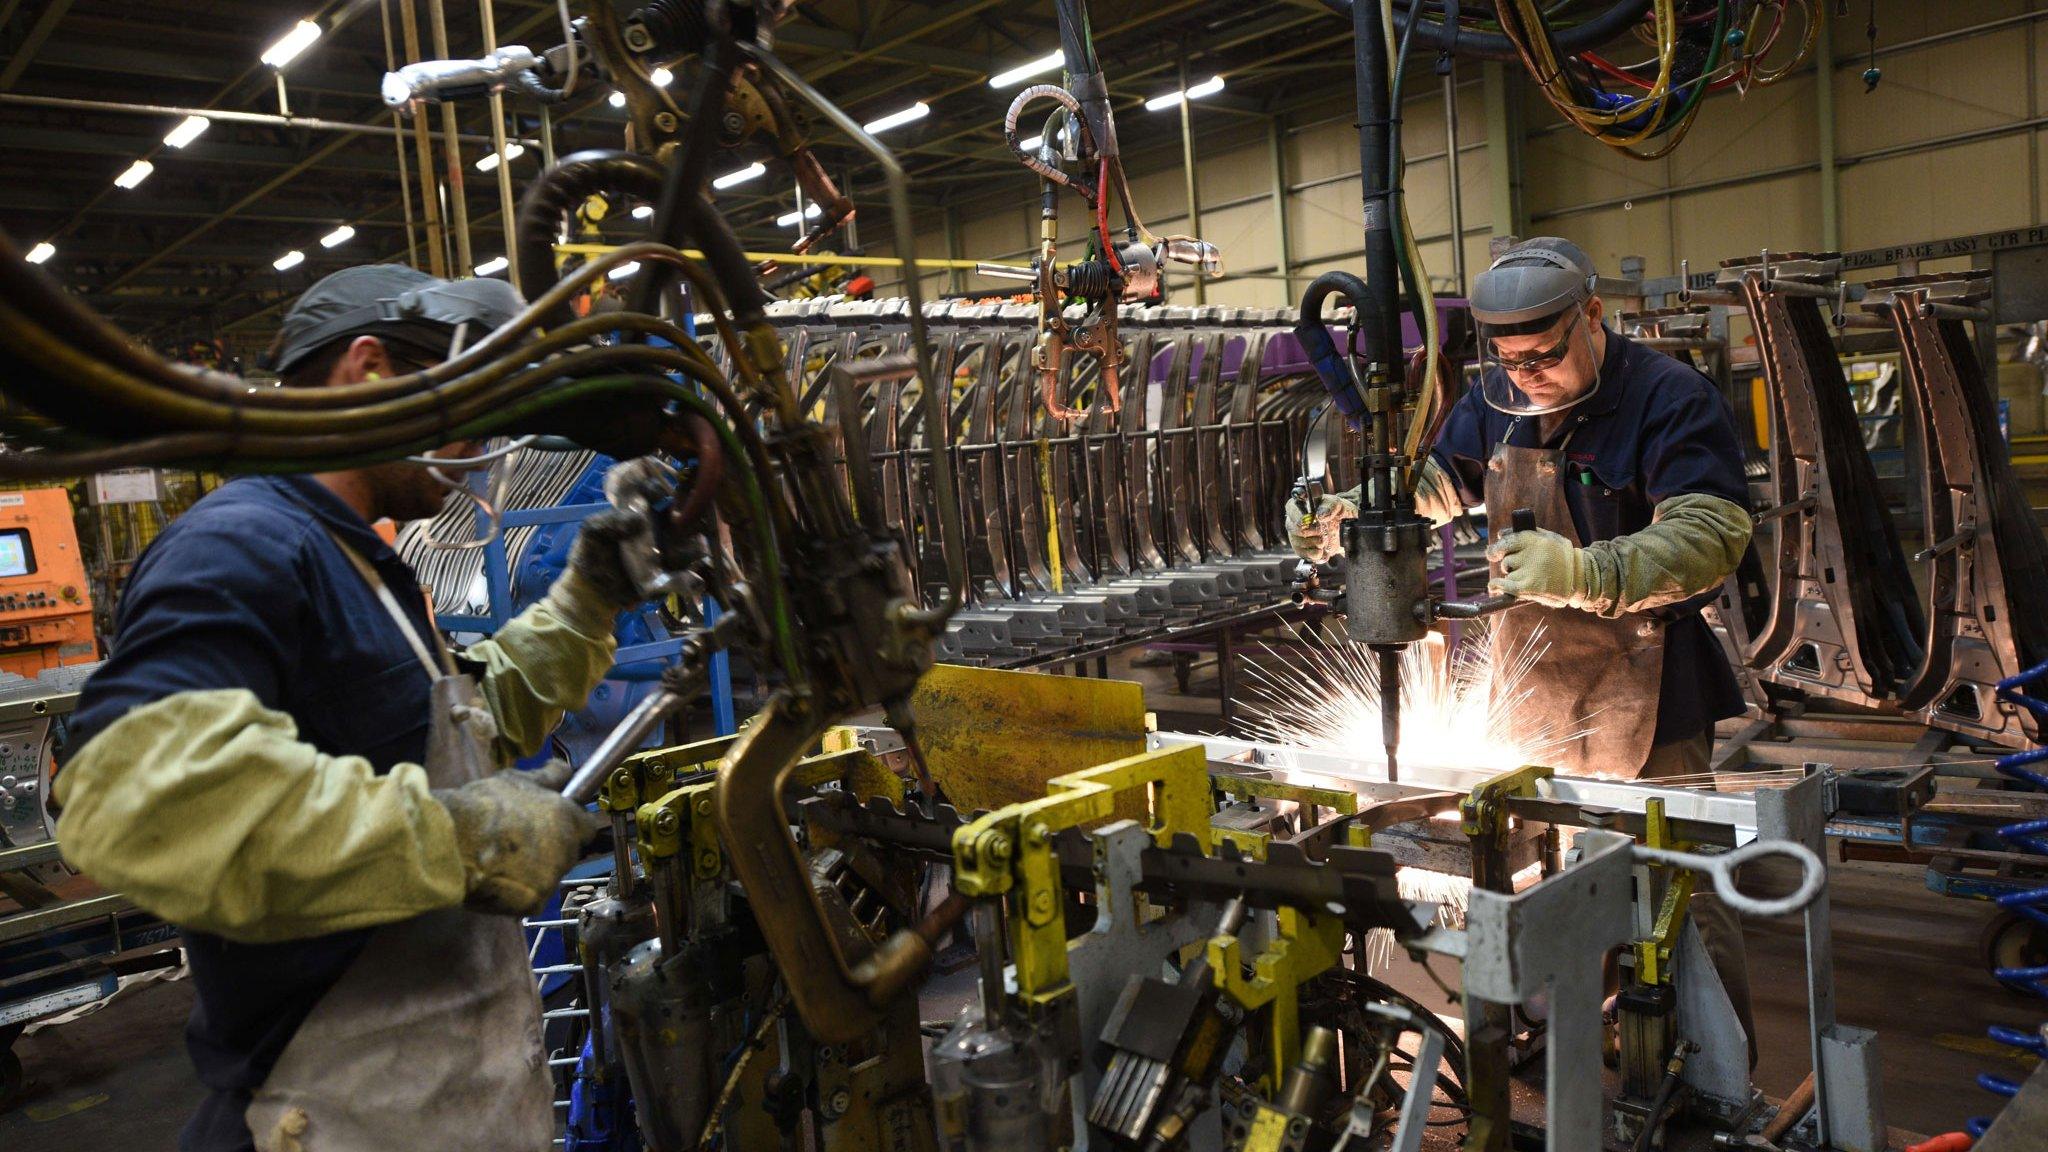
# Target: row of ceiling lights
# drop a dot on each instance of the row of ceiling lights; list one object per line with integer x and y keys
{"x": 286, "y": 49}
{"x": 305, "y": 32}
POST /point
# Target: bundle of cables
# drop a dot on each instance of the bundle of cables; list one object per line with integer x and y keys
{"x": 1701, "y": 46}
{"x": 1698, "y": 46}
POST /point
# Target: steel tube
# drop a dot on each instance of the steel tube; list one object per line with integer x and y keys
{"x": 507, "y": 215}
{"x": 620, "y": 743}
{"x": 451, "y": 147}
{"x": 226, "y": 116}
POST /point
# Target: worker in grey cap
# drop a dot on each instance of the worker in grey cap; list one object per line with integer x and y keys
{"x": 1631, "y": 463}
{"x": 282, "y": 758}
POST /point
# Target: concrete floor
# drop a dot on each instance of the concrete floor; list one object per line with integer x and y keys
{"x": 1906, "y": 963}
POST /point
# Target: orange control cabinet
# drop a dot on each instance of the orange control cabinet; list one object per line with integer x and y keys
{"x": 45, "y": 602}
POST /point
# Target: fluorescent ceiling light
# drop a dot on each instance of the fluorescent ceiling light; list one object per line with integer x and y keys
{"x": 41, "y": 252}
{"x": 289, "y": 260}
{"x": 187, "y": 131}
{"x": 661, "y": 77}
{"x": 338, "y": 237}
{"x": 616, "y": 99}
{"x": 297, "y": 40}
{"x": 750, "y": 172}
{"x": 789, "y": 218}
{"x": 135, "y": 175}
{"x": 1209, "y": 87}
{"x": 917, "y": 111}
{"x": 644, "y": 212}
{"x": 1021, "y": 72}
{"x": 493, "y": 266}
{"x": 623, "y": 270}
{"x": 1035, "y": 142}
{"x": 490, "y": 163}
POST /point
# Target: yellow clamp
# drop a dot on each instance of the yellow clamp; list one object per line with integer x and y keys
{"x": 1484, "y": 812}
{"x": 1653, "y": 953}
{"x": 1302, "y": 948}
{"x": 1009, "y": 852}
{"x": 646, "y": 775}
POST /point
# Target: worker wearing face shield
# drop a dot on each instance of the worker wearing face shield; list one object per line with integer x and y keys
{"x": 1631, "y": 463}
{"x": 282, "y": 758}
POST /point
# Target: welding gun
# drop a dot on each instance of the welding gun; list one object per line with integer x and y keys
{"x": 1387, "y": 601}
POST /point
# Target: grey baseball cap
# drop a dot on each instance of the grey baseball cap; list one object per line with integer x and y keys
{"x": 395, "y": 303}
{"x": 1531, "y": 283}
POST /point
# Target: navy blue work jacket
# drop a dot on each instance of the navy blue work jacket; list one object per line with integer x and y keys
{"x": 248, "y": 590}
{"x": 1654, "y": 428}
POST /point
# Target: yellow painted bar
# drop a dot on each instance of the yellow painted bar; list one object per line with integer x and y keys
{"x": 785, "y": 257}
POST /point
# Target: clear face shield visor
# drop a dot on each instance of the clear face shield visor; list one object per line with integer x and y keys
{"x": 1537, "y": 372}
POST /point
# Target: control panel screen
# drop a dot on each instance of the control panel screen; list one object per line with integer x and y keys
{"x": 16, "y": 557}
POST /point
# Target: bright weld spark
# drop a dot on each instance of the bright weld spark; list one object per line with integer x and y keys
{"x": 1454, "y": 711}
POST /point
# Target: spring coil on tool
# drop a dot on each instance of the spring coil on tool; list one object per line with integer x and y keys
{"x": 2029, "y": 836}
{"x": 674, "y": 25}
{"x": 1094, "y": 279}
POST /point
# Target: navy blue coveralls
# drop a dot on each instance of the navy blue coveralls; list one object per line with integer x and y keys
{"x": 248, "y": 590}
{"x": 1654, "y": 428}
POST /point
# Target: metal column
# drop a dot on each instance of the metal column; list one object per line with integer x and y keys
{"x": 1187, "y": 159}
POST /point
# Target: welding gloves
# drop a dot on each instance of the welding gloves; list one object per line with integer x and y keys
{"x": 1693, "y": 542}
{"x": 517, "y": 835}
{"x": 207, "y": 809}
{"x": 635, "y": 488}
{"x": 1314, "y": 532}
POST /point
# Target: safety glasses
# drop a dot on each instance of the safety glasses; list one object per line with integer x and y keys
{"x": 1548, "y": 358}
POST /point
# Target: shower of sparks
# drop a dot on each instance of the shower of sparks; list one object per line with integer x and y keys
{"x": 1457, "y": 707}
{"x": 1451, "y": 894}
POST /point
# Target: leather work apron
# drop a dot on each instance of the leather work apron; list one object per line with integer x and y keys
{"x": 432, "y": 1036}
{"x": 1590, "y": 674}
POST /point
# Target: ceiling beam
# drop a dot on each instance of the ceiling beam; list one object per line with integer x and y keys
{"x": 33, "y": 42}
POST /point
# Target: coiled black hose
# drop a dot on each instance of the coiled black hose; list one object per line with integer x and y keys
{"x": 1331, "y": 363}
{"x": 675, "y": 25}
{"x": 560, "y": 189}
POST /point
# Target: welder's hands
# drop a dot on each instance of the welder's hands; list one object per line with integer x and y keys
{"x": 1313, "y": 532}
{"x": 516, "y": 835}
{"x": 599, "y": 555}
{"x": 1540, "y": 565}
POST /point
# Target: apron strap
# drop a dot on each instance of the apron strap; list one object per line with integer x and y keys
{"x": 435, "y": 659}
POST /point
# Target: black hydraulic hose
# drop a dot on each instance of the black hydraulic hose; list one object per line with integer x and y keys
{"x": 1376, "y": 180}
{"x": 1491, "y": 46}
{"x": 559, "y": 190}
{"x": 575, "y": 177}
{"x": 1084, "y": 75}
{"x": 1332, "y": 364}
{"x": 683, "y": 206}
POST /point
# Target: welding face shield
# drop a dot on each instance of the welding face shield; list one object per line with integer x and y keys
{"x": 1535, "y": 337}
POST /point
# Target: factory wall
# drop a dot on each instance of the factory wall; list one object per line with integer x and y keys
{"x": 1948, "y": 144}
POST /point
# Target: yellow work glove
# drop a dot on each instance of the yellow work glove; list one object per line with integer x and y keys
{"x": 1540, "y": 565}
{"x": 1313, "y": 532}
{"x": 206, "y": 809}
{"x": 1436, "y": 495}
{"x": 1692, "y": 544}
{"x": 517, "y": 836}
